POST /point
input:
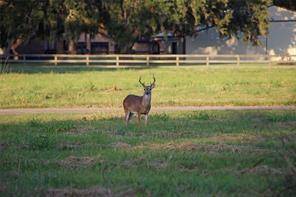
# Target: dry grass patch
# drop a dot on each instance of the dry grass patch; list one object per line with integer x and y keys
{"x": 133, "y": 162}
{"x": 79, "y": 162}
{"x": 195, "y": 146}
{"x": 262, "y": 170}
{"x": 64, "y": 192}
{"x": 155, "y": 164}
{"x": 287, "y": 124}
{"x": 199, "y": 144}
{"x": 69, "y": 145}
{"x": 78, "y": 130}
{"x": 189, "y": 146}
{"x": 158, "y": 164}
{"x": 95, "y": 191}
{"x": 241, "y": 138}
{"x": 120, "y": 145}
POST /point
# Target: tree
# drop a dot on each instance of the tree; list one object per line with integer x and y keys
{"x": 127, "y": 21}
{"x": 67, "y": 19}
{"x": 288, "y": 4}
{"x": 19, "y": 22}
{"x": 49, "y": 19}
{"x": 237, "y": 18}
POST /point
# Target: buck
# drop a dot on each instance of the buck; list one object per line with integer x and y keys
{"x": 139, "y": 104}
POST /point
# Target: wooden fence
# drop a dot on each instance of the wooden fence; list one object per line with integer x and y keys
{"x": 148, "y": 60}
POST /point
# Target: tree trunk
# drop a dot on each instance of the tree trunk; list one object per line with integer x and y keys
{"x": 88, "y": 43}
{"x": 14, "y": 46}
{"x": 126, "y": 48}
{"x": 72, "y": 47}
{"x": 184, "y": 44}
{"x": 60, "y": 46}
{"x": 4, "y": 59}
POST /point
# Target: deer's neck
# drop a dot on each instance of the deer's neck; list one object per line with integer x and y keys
{"x": 146, "y": 100}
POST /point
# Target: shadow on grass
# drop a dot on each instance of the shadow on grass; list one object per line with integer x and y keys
{"x": 48, "y": 151}
{"x": 161, "y": 127}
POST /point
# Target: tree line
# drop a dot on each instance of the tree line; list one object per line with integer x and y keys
{"x": 127, "y": 21}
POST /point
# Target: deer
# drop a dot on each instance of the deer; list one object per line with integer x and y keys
{"x": 139, "y": 104}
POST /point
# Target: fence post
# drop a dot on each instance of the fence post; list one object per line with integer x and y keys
{"x": 55, "y": 60}
{"x": 208, "y": 61}
{"x": 177, "y": 61}
{"x": 147, "y": 60}
{"x": 117, "y": 60}
{"x": 237, "y": 60}
{"x": 87, "y": 60}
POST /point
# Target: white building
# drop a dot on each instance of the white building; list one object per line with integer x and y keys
{"x": 281, "y": 39}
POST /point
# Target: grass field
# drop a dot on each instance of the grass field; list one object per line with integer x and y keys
{"x": 218, "y": 85}
{"x": 216, "y": 153}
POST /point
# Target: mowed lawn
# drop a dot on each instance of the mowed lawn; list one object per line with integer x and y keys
{"x": 198, "y": 153}
{"x": 31, "y": 86}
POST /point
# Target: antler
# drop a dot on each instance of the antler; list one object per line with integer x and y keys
{"x": 153, "y": 83}
{"x": 141, "y": 82}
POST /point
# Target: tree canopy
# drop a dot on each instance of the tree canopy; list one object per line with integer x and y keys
{"x": 288, "y": 4}
{"x": 127, "y": 21}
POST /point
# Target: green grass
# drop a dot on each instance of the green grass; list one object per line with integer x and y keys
{"x": 218, "y": 85}
{"x": 216, "y": 153}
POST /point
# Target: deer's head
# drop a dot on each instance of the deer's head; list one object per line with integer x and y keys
{"x": 147, "y": 88}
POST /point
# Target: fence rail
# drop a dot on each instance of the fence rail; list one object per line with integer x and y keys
{"x": 148, "y": 60}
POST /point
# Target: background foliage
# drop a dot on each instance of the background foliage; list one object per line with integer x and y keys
{"x": 127, "y": 21}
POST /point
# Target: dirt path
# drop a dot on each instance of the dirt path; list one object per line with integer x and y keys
{"x": 81, "y": 110}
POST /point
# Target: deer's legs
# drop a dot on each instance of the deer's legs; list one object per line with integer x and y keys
{"x": 127, "y": 117}
{"x": 146, "y": 119}
{"x": 139, "y": 118}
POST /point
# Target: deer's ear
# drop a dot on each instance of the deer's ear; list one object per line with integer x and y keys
{"x": 153, "y": 86}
